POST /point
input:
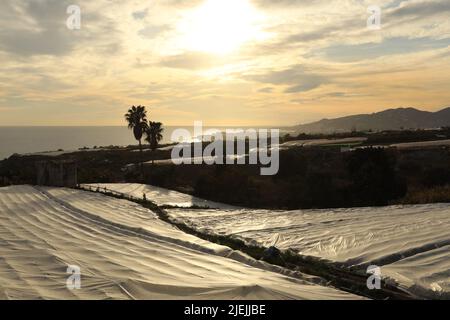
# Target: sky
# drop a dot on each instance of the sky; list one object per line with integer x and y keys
{"x": 223, "y": 62}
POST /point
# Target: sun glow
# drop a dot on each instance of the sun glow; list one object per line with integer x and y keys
{"x": 220, "y": 26}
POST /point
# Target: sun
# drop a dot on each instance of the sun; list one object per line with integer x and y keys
{"x": 220, "y": 26}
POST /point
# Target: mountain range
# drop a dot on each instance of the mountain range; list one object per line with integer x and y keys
{"x": 391, "y": 119}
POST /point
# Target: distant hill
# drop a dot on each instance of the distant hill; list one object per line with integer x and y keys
{"x": 391, "y": 119}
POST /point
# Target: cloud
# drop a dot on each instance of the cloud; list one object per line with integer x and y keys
{"x": 43, "y": 34}
{"x": 152, "y": 31}
{"x": 41, "y": 43}
{"x": 389, "y": 46}
{"x": 312, "y": 83}
{"x": 420, "y": 9}
{"x": 39, "y": 28}
{"x": 314, "y": 35}
{"x": 266, "y": 90}
{"x": 191, "y": 61}
{"x": 182, "y": 3}
{"x": 139, "y": 15}
{"x": 296, "y": 78}
{"x": 315, "y": 50}
{"x": 287, "y": 3}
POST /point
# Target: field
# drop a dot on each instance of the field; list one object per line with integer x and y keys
{"x": 125, "y": 252}
{"x": 160, "y": 196}
{"x": 410, "y": 243}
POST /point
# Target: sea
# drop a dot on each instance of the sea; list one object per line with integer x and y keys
{"x": 24, "y": 140}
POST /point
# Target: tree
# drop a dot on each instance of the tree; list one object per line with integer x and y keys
{"x": 374, "y": 178}
{"x": 154, "y": 135}
{"x": 137, "y": 121}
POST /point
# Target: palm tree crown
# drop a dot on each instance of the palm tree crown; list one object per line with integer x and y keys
{"x": 154, "y": 134}
{"x": 137, "y": 120}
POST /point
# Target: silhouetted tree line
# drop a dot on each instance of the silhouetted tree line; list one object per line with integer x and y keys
{"x": 318, "y": 177}
{"x": 315, "y": 178}
{"x": 373, "y": 138}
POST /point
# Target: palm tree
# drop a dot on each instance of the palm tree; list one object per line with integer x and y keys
{"x": 154, "y": 135}
{"x": 137, "y": 121}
